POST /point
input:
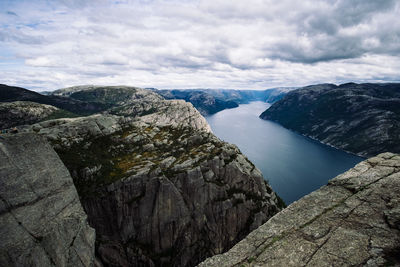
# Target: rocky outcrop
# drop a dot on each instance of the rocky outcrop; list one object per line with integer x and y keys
{"x": 363, "y": 119}
{"x": 157, "y": 185}
{"x": 177, "y": 113}
{"x": 68, "y": 131}
{"x": 137, "y": 102}
{"x": 353, "y": 221}
{"x": 23, "y": 112}
{"x": 42, "y": 222}
{"x": 157, "y": 194}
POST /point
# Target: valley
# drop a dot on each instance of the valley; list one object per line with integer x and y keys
{"x": 293, "y": 164}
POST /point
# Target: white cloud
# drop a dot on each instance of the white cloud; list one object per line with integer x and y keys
{"x": 252, "y": 44}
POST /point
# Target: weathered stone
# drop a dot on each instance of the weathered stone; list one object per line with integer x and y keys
{"x": 157, "y": 185}
{"x": 353, "y": 221}
{"x": 42, "y": 222}
{"x": 23, "y": 112}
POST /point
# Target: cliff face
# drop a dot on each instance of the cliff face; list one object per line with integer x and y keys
{"x": 42, "y": 222}
{"x": 360, "y": 118}
{"x": 353, "y": 221}
{"x": 157, "y": 185}
{"x": 159, "y": 194}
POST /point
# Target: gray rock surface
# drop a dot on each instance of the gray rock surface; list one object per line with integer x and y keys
{"x": 42, "y": 222}
{"x": 353, "y": 221}
{"x": 166, "y": 195}
{"x": 23, "y": 112}
{"x": 68, "y": 131}
{"x": 176, "y": 113}
{"x": 137, "y": 102}
{"x": 157, "y": 185}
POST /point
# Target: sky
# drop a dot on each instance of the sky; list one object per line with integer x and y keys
{"x": 237, "y": 44}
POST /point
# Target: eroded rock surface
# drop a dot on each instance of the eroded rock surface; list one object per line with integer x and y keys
{"x": 42, "y": 222}
{"x": 137, "y": 102}
{"x": 353, "y": 221}
{"x": 159, "y": 187}
{"x": 160, "y": 194}
{"x": 23, "y": 112}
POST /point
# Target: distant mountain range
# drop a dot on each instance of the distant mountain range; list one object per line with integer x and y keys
{"x": 210, "y": 101}
{"x": 363, "y": 119}
{"x": 360, "y": 118}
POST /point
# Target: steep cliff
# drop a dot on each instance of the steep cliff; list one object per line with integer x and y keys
{"x": 360, "y": 118}
{"x": 42, "y": 222}
{"x": 352, "y": 221}
{"x": 157, "y": 185}
{"x": 159, "y": 194}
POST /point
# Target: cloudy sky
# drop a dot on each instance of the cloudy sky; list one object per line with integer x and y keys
{"x": 241, "y": 44}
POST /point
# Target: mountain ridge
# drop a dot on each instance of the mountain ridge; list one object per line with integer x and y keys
{"x": 363, "y": 119}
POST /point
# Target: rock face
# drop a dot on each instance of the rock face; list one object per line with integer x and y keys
{"x": 137, "y": 102}
{"x": 360, "y": 118}
{"x": 42, "y": 222}
{"x": 353, "y": 221}
{"x": 157, "y": 194}
{"x": 23, "y": 112}
{"x": 177, "y": 113}
{"x": 156, "y": 184}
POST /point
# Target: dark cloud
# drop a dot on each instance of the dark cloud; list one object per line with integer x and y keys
{"x": 11, "y": 13}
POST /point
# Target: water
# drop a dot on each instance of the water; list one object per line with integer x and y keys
{"x": 293, "y": 164}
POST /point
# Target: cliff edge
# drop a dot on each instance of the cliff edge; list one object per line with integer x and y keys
{"x": 42, "y": 222}
{"x": 352, "y": 221}
{"x": 158, "y": 187}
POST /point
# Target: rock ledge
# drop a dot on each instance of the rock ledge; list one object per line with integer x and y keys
{"x": 353, "y": 221}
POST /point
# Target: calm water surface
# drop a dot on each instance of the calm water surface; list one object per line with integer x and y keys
{"x": 293, "y": 164}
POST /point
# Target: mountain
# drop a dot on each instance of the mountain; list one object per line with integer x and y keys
{"x": 160, "y": 189}
{"x": 157, "y": 186}
{"x": 353, "y": 221}
{"x": 210, "y": 101}
{"x": 12, "y": 93}
{"x": 363, "y": 119}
